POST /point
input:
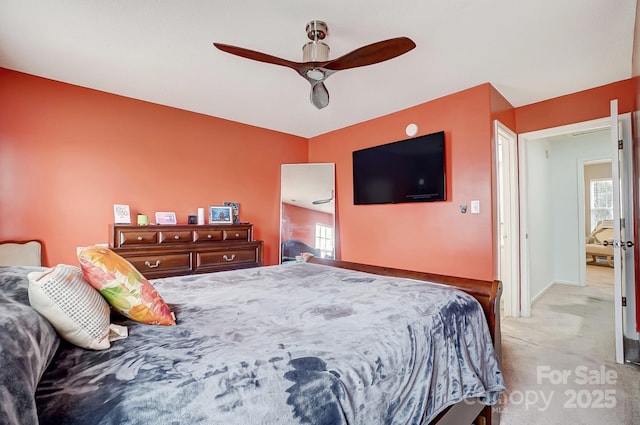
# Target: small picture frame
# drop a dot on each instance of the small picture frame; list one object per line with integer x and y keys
{"x": 121, "y": 214}
{"x": 235, "y": 208}
{"x": 165, "y": 217}
{"x": 220, "y": 214}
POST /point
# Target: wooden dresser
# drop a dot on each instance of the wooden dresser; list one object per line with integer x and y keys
{"x": 162, "y": 251}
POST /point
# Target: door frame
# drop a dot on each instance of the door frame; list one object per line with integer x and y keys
{"x": 523, "y": 140}
{"x": 509, "y": 258}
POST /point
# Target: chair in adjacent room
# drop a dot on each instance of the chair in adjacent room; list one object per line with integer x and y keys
{"x": 595, "y": 247}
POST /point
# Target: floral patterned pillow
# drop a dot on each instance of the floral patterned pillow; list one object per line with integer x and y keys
{"x": 128, "y": 292}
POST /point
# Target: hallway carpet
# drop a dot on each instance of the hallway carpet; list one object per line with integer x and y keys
{"x": 559, "y": 364}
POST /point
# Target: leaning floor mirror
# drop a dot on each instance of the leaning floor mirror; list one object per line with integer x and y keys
{"x": 307, "y": 210}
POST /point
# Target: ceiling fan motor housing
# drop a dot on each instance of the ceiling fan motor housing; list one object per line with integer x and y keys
{"x": 316, "y": 50}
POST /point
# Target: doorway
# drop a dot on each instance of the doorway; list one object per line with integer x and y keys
{"x": 553, "y": 217}
{"x": 596, "y": 193}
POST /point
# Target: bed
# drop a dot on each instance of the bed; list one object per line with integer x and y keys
{"x": 321, "y": 342}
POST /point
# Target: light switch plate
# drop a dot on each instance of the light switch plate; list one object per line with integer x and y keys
{"x": 475, "y": 207}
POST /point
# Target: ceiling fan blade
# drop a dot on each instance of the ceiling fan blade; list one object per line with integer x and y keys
{"x": 257, "y": 56}
{"x": 372, "y": 53}
{"x": 323, "y": 201}
{"x": 315, "y": 72}
{"x": 319, "y": 95}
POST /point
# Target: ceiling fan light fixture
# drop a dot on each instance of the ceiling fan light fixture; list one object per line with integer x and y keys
{"x": 315, "y": 74}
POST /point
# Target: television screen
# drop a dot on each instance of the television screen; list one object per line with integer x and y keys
{"x": 411, "y": 170}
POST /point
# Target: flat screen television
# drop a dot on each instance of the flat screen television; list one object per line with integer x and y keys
{"x": 411, "y": 170}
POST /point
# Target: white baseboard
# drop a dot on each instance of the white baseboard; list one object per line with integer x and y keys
{"x": 568, "y": 282}
{"x": 546, "y": 288}
{"x": 556, "y": 282}
{"x": 541, "y": 293}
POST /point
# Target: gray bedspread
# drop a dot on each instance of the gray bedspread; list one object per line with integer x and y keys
{"x": 289, "y": 344}
{"x": 27, "y": 344}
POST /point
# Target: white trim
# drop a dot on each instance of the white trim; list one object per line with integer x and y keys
{"x": 511, "y": 283}
{"x": 549, "y": 286}
{"x": 617, "y": 254}
{"x": 629, "y": 289}
{"x": 568, "y": 283}
{"x": 523, "y": 176}
{"x": 541, "y": 293}
{"x": 584, "y": 126}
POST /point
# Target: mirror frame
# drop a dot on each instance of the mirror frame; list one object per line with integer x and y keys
{"x": 306, "y": 188}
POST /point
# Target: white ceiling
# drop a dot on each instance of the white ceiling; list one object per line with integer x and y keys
{"x": 161, "y": 51}
{"x": 302, "y": 184}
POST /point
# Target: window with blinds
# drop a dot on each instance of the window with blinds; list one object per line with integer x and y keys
{"x": 601, "y": 200}
{"x": 324, "y": 240}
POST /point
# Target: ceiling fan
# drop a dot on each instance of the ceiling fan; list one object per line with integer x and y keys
{"x": 316, "y": 66}
{"x": 323, "y": 201}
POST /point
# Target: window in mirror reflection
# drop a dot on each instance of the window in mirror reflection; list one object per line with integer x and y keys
{"x": 324, "y": 240}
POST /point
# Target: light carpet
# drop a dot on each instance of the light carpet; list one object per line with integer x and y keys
{"x": 559, "y": 364}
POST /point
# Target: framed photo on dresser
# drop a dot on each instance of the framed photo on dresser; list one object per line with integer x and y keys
{"x": 121, "y": 214}
{"x": 166, "y": 218}
{"x": 220, "y": 214}
{"x": 235, "y": 209}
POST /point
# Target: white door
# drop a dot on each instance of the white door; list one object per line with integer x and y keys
{"x": 622, "y": 228}
{"x": 507, "y": 217}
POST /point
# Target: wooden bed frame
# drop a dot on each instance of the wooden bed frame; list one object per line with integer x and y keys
{"x": 486, "y": 292}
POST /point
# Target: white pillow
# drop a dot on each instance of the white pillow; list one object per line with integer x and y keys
{"x": 73, "y": 307}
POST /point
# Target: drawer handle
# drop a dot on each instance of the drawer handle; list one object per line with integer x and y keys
{"x": 140, "y": 238}
{"x": 229, "y": 258}
{"x": 152, "y": 266}
{"x": 176, "y": 237}
{"x": 237, "y": 235}
{"x": 209, "y": 236}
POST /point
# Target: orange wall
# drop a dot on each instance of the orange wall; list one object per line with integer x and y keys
{"x": 300, "y": 223}
{"x": 576, "y": 107}
{"x": 67, "y": 154}
{"x": 502, "y": 110}
{"x": 432, "y": 237}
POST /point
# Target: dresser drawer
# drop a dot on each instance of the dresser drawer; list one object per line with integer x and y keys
{"x": 207, "y": 235}
{"x": 175, "y": 237}
{"x": 236, "y": 235}
{"x": 161, "y": 264}
{"x": 137, "y": 238}
{"x": 183, "y": 249}
{"x": 228, "y": 258}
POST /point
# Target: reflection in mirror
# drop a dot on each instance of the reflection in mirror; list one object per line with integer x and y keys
{"x": 307, "y": 210}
